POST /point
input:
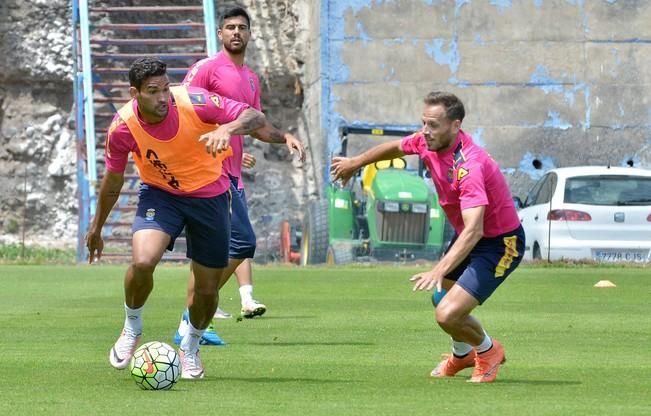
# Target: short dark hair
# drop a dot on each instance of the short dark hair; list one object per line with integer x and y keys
{"x": 235, "y": 11}
{"x": 453, "y": 106}
{"x": 144, "y": 68}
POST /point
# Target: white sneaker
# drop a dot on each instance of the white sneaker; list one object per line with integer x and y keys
{"x": 191, "y": 365}
{"x": 253, "y": 308}
{"x": 123, "y": 349}
{"x": 222, "y": 314}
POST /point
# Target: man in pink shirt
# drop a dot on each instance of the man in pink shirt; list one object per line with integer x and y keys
{"x": 228, "y": 75}
{"x": 489, "y": 240}
{"x": 183, "y": 186}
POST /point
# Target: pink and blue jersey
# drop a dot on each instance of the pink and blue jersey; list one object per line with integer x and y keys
{"x": 209, "y": 107}
{"x": 465, "y": 176}
{"x": 220, "y": 75}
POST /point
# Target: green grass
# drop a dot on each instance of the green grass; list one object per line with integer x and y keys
{"x": 339, "y": 341}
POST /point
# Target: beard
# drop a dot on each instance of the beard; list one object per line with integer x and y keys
{"x": 236, "y": 50}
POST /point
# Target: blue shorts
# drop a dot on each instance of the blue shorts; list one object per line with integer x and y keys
{"x": 206, "y": 222}
{"x": 242, "y": 245}
{"x": 490, "y": 262}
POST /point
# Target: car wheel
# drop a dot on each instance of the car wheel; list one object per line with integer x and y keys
{"x": 314, "y": 242}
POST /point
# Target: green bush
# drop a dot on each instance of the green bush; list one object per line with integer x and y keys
{"x": 16, "y": 254}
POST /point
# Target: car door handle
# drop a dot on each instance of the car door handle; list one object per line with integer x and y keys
{"x": 536, "y": 217}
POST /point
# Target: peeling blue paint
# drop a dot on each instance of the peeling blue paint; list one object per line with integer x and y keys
{"x": 362, "y": 34}
{"x": 555, "y": 122}
{"x": 339, "y": 71}
{"x": 501, "y": 5}
{"x": 458, "y": 4}
{"x": 390, "y": 72}
{"x": 588, "y": 108}
{"x": 478, "y": 40}
{"x": 538, "y": 3}
{"x": 526, "y": 165}
{"x": 541, "y": 78}
{"x": 620, "y": 107}
{"x": 449, "y": 58}
{"x": 477, "y": 137}
{"x": 397, "y": 41}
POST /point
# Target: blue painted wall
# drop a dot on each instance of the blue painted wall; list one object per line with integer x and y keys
{"x": 561, "y": 81}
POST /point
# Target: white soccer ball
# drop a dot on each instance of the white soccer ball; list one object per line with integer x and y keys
{"x": 155, "y": 366}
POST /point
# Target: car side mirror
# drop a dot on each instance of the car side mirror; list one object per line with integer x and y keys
{"x": 517, "y": 202}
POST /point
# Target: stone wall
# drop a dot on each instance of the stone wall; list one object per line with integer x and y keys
{"x": 37, "y": 144}
{"x": 562, "y": 82}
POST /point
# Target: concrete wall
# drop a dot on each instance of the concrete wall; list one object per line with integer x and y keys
{"x": 565, "y": 82}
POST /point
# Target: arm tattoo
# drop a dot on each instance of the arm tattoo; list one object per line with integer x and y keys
{"x": 250, "y": 120}
{"x": 276, "y": 136}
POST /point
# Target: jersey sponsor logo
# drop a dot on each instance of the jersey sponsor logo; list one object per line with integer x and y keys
{"x": 462, "y": 173}
{"x": 152, "y": 157}
{"x": 450, "y": 175}
{"x": 197, "y": 98}
{"x": 216, "y": 100}
{"x": 252, "y": 83}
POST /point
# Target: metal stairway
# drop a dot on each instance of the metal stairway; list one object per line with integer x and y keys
{"x": 107, "y": 37}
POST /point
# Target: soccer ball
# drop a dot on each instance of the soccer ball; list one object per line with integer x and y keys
{"x": 155, "y": 366}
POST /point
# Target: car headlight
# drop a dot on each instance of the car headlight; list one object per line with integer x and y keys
{"x": 391, "y": 206}
{"x": 419, "y": 208}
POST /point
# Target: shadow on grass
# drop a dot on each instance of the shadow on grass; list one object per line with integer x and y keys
{"x": 266, "y": 317}
{"x": 281, "y": 380}
{"x": 539, "y": 382}
{"x": 292, "y": 344}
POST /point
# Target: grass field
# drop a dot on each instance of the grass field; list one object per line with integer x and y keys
{"x": 339, "y": 341}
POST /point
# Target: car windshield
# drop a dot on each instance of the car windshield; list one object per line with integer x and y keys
{"x": 608, "y": 190}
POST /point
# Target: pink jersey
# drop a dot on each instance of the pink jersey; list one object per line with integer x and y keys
{"x": 210, "y": 107}
{"x": 465, "y": 176}
{"x": 220, "y": 75}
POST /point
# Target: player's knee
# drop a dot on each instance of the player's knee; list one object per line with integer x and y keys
{"x": 447, "y": 316}
{"x": 144, "y": 266}
{"x": 206, "y": 288}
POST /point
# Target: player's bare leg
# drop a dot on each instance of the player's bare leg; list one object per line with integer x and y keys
{"x": 250, "y": 307}
{"x": 201, "y": 308}
{"x": 148, "y": 247}
{"x": 453, "y": 316}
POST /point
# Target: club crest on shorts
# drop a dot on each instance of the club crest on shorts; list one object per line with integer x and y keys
{"x": 150, "y": 214}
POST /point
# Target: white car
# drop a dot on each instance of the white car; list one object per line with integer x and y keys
{"x": 589, "y": 212}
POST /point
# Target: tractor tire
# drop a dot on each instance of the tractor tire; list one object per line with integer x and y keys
{"x": 314, "y": 241}
{"x": 340, "y": 253}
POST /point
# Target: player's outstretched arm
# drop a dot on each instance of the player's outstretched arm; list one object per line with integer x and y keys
{"x": 219, "y": 140}
{"x": 109, "y": 192}
{"x": 343, "y": 168}
{"x": 269, "y": 134}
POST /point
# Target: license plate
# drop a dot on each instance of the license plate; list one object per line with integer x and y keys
{"x": 635, "y": 256}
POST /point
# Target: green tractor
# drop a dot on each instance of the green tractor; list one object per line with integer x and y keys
{"x": 387, "y": 212}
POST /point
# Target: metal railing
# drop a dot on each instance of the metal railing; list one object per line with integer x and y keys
{"x": 88, "y": 82}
